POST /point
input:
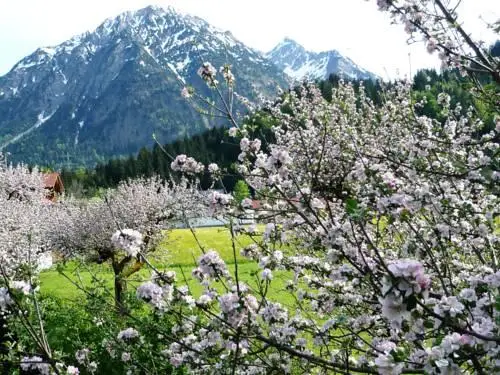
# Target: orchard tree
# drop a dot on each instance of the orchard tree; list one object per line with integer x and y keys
{"x": 387, "y": 221}
{"x": 388, "y": 228}
{"x": 25, "y": 219}
{"x": 137, "y": 213}
{"x": 23, "y": 209}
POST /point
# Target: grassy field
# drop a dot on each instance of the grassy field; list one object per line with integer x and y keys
{"x": 177, "y": 252}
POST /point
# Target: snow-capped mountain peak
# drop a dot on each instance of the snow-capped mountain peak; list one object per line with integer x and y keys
{"x": 300, "y": 64}
{"x": 153, "y": 26}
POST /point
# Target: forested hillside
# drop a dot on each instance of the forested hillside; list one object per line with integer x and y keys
{"x": 216, "y": 146}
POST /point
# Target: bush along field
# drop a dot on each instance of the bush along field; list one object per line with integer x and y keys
{"x": 375, "y": 249}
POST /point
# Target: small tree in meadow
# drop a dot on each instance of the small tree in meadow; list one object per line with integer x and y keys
{"x": 241, "y": 191}
{"x": 138, "y": 212}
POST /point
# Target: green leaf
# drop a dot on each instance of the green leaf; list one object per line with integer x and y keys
{"x": 399, "y": 354}
{"x": 497, "y": 303}
{"x": 428, "y": 324}
{"x": 351, "y": 206}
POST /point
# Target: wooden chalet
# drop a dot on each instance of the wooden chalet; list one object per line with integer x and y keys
{"x": 255, "y": 204}
{"x": 53, "y": 185}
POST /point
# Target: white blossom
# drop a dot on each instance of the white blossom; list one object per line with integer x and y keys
{"x": 36, "y": 364}
{"x": 128, "y": 240}
{"x": 208, "y": 73}
{"x": 127, "y": 334}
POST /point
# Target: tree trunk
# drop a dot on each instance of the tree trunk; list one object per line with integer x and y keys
{"x": 120, "y": 285}
{"x": 120, "y": 289}
{"x": 121, "y": 274}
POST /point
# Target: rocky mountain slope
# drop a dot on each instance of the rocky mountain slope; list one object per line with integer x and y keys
{"x": 104, "y": 93}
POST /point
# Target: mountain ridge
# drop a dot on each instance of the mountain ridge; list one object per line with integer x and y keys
{"x": 299, "y": 63}
{"x": 120, "y": 84}
{"x": 103, "y": 93}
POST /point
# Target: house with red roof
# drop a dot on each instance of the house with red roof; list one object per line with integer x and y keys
{"x": 53, "y": 184}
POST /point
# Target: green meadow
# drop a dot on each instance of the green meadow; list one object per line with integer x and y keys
{"x": 178, "y": 252}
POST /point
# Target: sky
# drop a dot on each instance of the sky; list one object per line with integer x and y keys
{"x": 353, "y": 27}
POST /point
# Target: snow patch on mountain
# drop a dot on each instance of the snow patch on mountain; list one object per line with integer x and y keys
{"x": 40, "y": 121}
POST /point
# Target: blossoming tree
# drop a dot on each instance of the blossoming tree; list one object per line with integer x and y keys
{"x": 136, "y": 213}
{"x": 24, "y": 224}
{"x": 389, "y": 224}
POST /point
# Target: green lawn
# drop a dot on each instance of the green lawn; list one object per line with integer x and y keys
{"x": 180, "y": 247}
{"x": 177, "y": 252}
